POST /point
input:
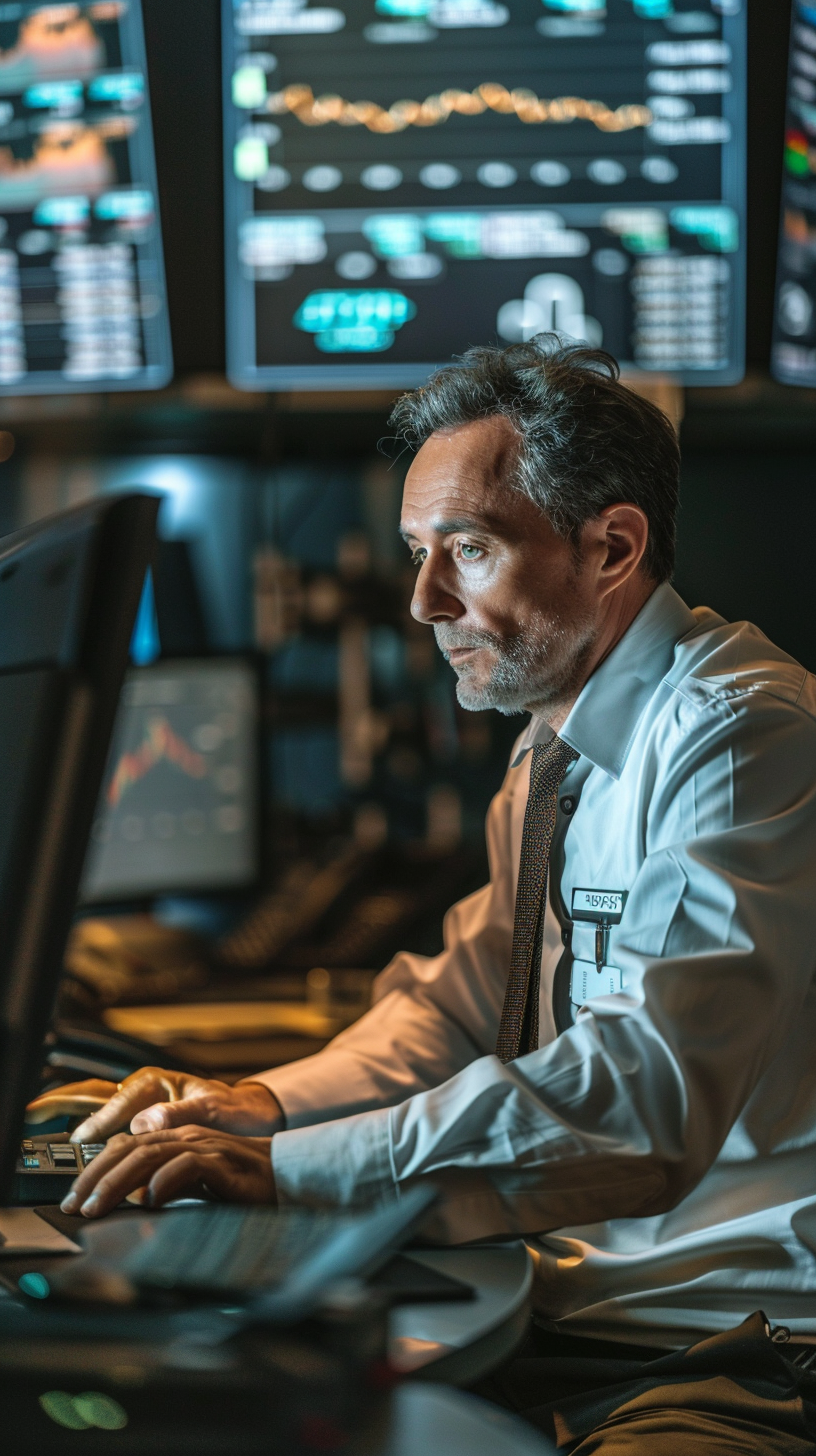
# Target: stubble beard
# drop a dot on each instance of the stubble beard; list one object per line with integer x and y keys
{"x": 538, "y": 671}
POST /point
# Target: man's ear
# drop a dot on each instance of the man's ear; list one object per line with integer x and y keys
{"x": 619, "y": 536}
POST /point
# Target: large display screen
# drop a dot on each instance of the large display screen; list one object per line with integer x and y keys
{"x": 794, "y": 342}
{"x": 82, "y": 296}
{"x": 406, "y": 178}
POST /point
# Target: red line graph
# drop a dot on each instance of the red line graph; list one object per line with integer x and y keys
{"x": 160, "y": 743}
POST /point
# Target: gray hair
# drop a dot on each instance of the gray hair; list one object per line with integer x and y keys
{"x": 586, "y": 440}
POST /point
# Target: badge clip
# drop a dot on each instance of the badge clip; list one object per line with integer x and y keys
{"x": 603, "y": 909}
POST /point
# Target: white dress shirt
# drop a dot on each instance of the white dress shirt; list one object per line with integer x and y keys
{"x": 659, "y": 1155}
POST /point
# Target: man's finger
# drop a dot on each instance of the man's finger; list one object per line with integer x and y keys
{"x": 117, "y": 1113}
{"x": 183, "y": 1175}
{"x": 118, "y": 1148}
{"x": 188, "y": 1110}
{"x": 79, "y": 1104}
{"x": 132, "y": 1172}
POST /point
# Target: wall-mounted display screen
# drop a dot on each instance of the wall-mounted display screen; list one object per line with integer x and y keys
{"x": 794, "y": 341}
{"x": 405, "y": 178}
{"x": 82, "y": 296}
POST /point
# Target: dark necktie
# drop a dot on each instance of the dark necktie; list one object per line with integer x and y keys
{"x": 518, "y": 1028}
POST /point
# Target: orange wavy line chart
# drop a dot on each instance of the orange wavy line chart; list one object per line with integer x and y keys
{"x": 160, "y": 743}
{"x": 313, "y": 110}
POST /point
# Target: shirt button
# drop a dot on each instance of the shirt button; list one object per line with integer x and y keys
{"x": 567, "y": 804}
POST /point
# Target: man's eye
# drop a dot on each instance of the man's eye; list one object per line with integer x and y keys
{"x": 418, "y": 556}
{"x": 470, "y": 552}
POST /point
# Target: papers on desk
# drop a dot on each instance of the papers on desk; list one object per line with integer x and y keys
{"x": 220, "y": 1021}
{"x": 232, "y": 1034}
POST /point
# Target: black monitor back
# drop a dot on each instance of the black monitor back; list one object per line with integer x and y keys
{"x": 69, "y": 591}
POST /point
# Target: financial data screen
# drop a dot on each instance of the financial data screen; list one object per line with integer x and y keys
{"x": 82, "y": 296}
{"x": 405, "y": 178}
{"x": 794, "y": 342}
{"x": 179, "y": 807}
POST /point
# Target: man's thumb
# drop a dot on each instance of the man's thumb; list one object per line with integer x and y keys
{"x": 165, "y": 1114}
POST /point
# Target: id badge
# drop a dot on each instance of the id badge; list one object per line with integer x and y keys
{"x": 601, "y": 908}
{"x": 587, "y": 982}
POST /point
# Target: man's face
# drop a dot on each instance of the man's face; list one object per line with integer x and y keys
{"x": 513, "y": 611}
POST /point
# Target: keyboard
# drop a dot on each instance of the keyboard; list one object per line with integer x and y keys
{"x": 55, "y": 1155}
{"x": 228, "y": 1250}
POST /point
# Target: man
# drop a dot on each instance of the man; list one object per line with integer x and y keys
{"x": 614, "y": 1055}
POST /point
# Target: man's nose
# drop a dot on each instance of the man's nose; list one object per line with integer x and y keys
{"x": 433, "y": 601}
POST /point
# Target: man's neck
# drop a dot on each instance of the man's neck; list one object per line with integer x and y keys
{"x": 618, "y": 618}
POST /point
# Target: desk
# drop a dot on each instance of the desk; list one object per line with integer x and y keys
{"x": 430, "y": 1421}
{"x": 460, "y": 1342}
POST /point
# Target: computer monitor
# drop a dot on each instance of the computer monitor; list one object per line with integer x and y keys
{"x": 69, "y": 589}
{"x": 82, "y": 293}
{"x": 406, "y": 178}
{"x": 793, "y": 356}
{"x": 179, "y": 810}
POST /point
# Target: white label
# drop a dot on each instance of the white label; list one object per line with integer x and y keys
{"x": 588, "y": 982}
{"x": 598, "y": 905}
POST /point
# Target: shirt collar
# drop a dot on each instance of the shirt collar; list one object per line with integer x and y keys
{"x": 603, "y": 719}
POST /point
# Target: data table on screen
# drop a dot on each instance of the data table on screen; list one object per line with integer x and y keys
{"x": 794, "y": 337}
{"x": 82, "y": 292}
{"x": 407, "y": 178}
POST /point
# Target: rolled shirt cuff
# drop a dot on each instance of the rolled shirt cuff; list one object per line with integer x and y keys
{"x": 341, "y": 1164}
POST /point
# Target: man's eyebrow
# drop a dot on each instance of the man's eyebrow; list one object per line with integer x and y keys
{"x": 445, "y": 528}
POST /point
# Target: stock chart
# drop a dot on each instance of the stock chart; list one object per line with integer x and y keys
{"x": 794, "y": 342}
{"x": 405, "y": 178}
{"x": 82, "y": 295}
{"x": 178, "y": 810}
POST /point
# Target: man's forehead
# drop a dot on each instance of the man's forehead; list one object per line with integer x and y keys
{"x": 482, "y": 449}
{"x": 455, "y": 476}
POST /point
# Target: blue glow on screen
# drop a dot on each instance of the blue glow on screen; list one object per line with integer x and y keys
{"x": 145, "y": 644}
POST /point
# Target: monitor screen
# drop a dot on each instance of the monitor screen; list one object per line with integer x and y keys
{"x": 406, "y": 178}
{"x": 82, "y": 295}
{"x": 794, "y": 339}
{"x": 179, "y": 810}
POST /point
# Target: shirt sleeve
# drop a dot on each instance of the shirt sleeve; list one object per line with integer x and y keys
{"x": 624, "y": 1113}
{"x": 431, "y": 1016}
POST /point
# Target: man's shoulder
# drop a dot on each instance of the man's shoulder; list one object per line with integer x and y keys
{"x": 719, "y": 663}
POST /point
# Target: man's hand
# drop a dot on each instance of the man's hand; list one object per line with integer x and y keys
{"x": 177, "y": 1163}
{"x": 153, "y": 1099}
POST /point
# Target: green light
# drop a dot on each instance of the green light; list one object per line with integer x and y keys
{"x": 249, "y": 87}
{"x": 356, "y": 340}
{"x": 578, "y": 7}
{"x": 36, "y": 1286}
{"x": 394, "y": 235}
{"x": 59, "y": 1405}
{"x": 354, "y": 320}
{"x": 101, "y": 1411}
{"x": 459, "y": 232}
{"x": 250, "y": 158}
{"x": 413, "y": 9}
{"x": 716, "y": 228}
{"x": 84, "y": 1412}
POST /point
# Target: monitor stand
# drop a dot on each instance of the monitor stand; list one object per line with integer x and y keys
{"x": 22, "y": 1231}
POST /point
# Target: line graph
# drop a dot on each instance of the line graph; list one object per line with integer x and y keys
{"x": 160, "y": 743}
{"x": 301, "y": 102}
